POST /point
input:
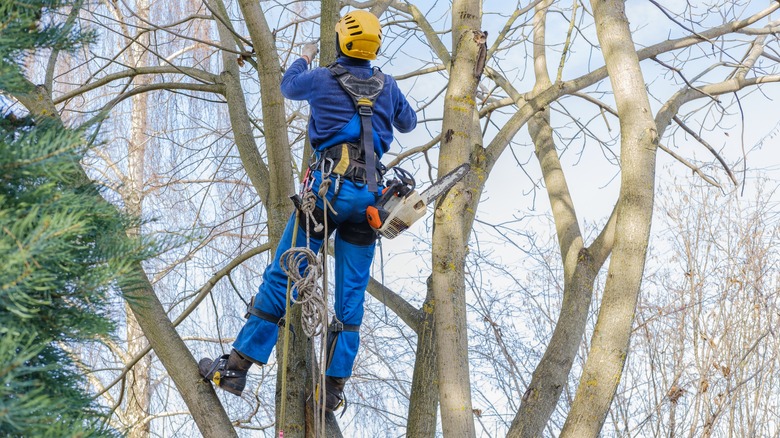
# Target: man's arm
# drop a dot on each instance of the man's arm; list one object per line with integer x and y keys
{"x": 405, "y": 119}
{"x": 297, "y": 80}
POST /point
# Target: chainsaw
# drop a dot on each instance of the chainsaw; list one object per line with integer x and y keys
{"x": 400, "y": 205}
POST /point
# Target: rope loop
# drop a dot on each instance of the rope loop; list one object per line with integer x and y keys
{"x": 308, "y": 204}
{"x": 306, "y": 282}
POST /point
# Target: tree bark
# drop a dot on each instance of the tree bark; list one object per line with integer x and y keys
{"x": 328, "y": 19}
{"x": 639, "y": 140}
{"x": 461, "y": 142}
{"x": 580, "y": 264}
{"x": 275, "y": 184}
{"x": 277, "y": 145}
{"x": 424, "y": 398}
{"x": 138, "y": 398}
{"x": 199, "y": 396}
{"x": 240, "y": 122}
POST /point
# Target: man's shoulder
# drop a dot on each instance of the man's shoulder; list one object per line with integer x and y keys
{"x": 322, "y": 71}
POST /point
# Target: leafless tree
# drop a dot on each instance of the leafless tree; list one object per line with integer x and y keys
{"x": 198, "y": 141}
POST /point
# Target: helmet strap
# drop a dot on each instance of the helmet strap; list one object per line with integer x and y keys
{"x": 338, "y": 47}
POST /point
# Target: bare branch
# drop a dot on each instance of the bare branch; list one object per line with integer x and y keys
{"x": 199, "y": 297}
{"x": 709, "y": 147}
{"x": 408, "y": 313}
{"x": 416, "y": 150}
{"x": 696, "y": 169}
{"x": 194, "y": 73}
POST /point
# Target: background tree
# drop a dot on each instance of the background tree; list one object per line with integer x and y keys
{"x": 705, "y": 355}
{"x": 64, "y": 257}
{"x": 520, "y": 313}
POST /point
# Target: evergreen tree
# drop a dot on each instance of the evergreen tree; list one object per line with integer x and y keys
{"x": 62, "y": 255}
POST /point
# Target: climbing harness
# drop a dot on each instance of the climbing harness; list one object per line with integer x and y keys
{"x": 363, "y": 93}
{"x": 345, "y": 161}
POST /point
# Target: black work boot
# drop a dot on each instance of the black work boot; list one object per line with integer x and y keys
{"x": 228, "y": 372}
{"x": 334, "y": 392}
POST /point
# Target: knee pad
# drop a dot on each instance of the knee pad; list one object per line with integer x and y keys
{"x": 357, "y": 233}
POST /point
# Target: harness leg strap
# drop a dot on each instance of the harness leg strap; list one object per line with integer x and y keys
{"x": 280, "y": 321}
{"x": 334, "y": 329}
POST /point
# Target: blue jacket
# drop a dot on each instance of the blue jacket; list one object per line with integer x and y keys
{"x": 333, "y": 116}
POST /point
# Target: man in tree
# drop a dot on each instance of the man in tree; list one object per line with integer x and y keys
{"x": 354, "y": 108}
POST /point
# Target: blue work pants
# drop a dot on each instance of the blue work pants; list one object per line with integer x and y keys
{"x": 354, "y": 253}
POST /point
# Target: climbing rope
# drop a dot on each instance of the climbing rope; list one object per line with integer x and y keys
{"x": 312, "y": 297}
{"x": 310, "y": 294}
{"x": 319, "y": 402}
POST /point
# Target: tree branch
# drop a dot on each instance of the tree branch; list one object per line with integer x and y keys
{"x": 408, "y": 313}
{"x": 710, "y": 148}
{"x": 555, "y": 91}
{"x": 199, "y": 297}
{"x": 194, "y": 73}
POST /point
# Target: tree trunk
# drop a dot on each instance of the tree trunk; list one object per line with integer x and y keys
{"x": 639, "y": 140}
{"x": 424, "y": 399}
{"x": 278, "y": 206}
{"x": 139, "y": 396}
{"x": 202, "y": 401}
{"x": 199, "y": 396}
{"x": 580, "y": 265}
{"x": 328, "y": 19}
{"x": 277, "y": 144}
{"x": 453, "y": 219}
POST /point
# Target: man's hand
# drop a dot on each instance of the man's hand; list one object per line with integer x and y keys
{"x": 309, "y": 51}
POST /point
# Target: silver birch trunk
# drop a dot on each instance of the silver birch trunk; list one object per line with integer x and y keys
{"x": 138, "y": 397}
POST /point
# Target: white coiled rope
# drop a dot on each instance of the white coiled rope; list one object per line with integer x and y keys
{"x": 311, "y": 295}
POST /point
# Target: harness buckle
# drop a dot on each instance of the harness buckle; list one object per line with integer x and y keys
{"x": 336, "y": 326}
{"x": 365, "y": 110}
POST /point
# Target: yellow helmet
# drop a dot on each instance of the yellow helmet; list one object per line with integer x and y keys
{"x": 359, "y": 34}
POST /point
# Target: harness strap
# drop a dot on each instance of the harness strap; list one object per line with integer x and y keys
{"x": 338, "y": 326}
{"x": 366, "y": 110}
{"x": 363, "y": 93}
{"x": 334, "y": 330}
{"x": 278, "y": 320}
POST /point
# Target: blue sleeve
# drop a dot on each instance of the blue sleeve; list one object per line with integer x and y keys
{"x": 297, "y": 81}
{"x": 405, "y": 119}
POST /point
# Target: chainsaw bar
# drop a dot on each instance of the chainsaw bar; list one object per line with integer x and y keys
{"x": 444, "y": 183}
